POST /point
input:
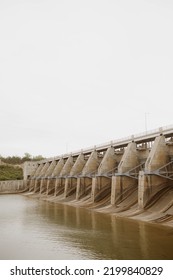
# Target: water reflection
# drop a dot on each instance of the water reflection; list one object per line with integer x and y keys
{"x": 35, "y": 229}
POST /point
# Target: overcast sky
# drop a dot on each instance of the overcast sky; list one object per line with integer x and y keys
{"x": 77, "y": 73}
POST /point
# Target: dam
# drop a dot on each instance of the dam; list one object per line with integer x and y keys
{"x": 130, "y": 177}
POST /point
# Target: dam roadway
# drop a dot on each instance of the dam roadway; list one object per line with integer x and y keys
{"x": 127, "y": 176}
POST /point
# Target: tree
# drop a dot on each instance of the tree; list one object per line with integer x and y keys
{"x": 39, "y": 157}
{"x": 27, "y": 155}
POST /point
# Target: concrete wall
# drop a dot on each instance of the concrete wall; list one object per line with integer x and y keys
{"x": 29, "y": 167}
{"x": 14, "y": 186}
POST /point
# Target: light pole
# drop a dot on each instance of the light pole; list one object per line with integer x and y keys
{"x": 146, "y": 122}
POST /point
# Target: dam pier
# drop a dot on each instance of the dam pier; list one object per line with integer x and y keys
{"x": 127, "y": 175}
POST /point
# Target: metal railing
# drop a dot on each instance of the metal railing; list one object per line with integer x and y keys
{"x": 118, "y": 142}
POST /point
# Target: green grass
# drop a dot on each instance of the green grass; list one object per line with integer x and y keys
{"x": 10, "y": 173}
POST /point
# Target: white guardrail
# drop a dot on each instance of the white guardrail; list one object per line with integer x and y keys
{"x": 146, "y": 134}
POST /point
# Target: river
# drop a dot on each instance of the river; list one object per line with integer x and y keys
{"x": 35, "y": 229}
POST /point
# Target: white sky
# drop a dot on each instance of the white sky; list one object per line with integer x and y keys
{"x": 77, "y": 73}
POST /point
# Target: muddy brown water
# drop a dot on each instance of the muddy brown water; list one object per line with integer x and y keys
{"x": 36, "y": 229}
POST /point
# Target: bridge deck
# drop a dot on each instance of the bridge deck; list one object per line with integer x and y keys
{"x": 120, "y": 143}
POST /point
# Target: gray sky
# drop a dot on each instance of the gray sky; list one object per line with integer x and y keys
{"x": 79, "y": 73}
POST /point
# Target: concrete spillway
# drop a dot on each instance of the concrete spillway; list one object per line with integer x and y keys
{"x": 129, "y": 177}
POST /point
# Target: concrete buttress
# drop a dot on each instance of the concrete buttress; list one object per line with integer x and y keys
{"x": 149, "y": 182}
{"x": 65, "y": 171}
{"x": 122, "y": 180}
{"x": 45, "y": 179}
{"x": 71, "y": 181}
{"x": 33, "y": 179}
{"x": 101, "y": 184}
{"x": 84, "y": 182}
{"x": 39, "y": 179}
{"x": 52, "y": 187}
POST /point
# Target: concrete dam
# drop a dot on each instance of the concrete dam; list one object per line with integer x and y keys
{"x": 131, "y": 177}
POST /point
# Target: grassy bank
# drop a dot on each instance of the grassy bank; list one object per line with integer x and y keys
{"x": 10, "y": 173}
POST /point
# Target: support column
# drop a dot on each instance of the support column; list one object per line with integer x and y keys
{"x": 60, "y": 183}
{"x": 101, "y": 185}
{"x": 59, "y": 186}
{"x": 32, "y": 180}
{"x": 51, "y": 183}
{"x": 70, "y": 186}
{"x": 71, "y": 183}
{"x": 48, "y": 172}
{"x": 108, "y": 163}
{"x": 149, "y": 183}
{"x": 43, "y": 185}
{"x": 39, "y": 180}
{"x": 120, "y": 182}
{"x": 67, "y": 167}
{"x": 95, "y": 188}
{"x": 144, "y": 191}
{"x": 31, "y": 185}
{"x": 44, "y": 175}
{"x": 117, "y": 189}
{"x": 54, "y": 185}
{"x": 83, "y": 186}
{"x": 85, "y": 181}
